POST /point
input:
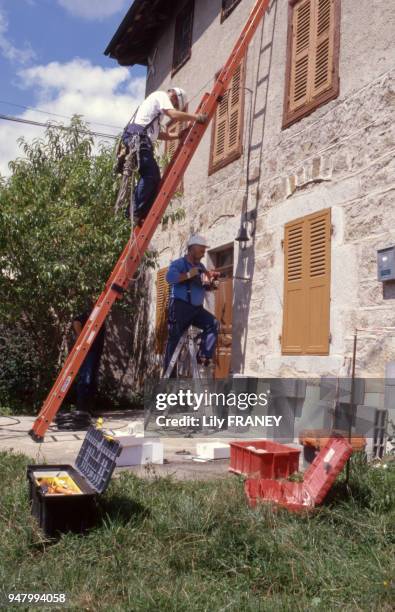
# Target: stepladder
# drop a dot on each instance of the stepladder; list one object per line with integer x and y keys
{"x": 184, "y": 361}
{"x": 140, "y": 238}
{"x": 184, "y": 369}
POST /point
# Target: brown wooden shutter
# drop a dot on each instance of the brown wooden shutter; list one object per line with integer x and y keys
{"x": 323, "y": 43}
{"x": 226, "y": 143}
{"x": 294, "y": 290}
{"x": 183, "y": 36}
{"x": 313, "y": 56}
{"x": 162, "y": 298}
{"x": 235, "y": 108}
{"x": 307, "y": 285}
{"x": 221, "y": 126}
{"x": 301, "y": 53}
{"x": 318, "y": 236}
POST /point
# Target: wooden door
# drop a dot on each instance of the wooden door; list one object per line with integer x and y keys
{"x": 224, "y": 311}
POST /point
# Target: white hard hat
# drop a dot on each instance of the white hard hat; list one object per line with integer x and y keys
{"x": 196, "y": 239}
{"x": 181, "y": 97}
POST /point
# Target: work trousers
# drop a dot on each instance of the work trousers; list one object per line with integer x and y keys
{"x": 147, "y": 186}
{"x": 181, "y": 316}
{"x": 87, "y": 381}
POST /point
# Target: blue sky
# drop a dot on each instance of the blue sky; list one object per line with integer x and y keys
{"x": 51, "y": 59}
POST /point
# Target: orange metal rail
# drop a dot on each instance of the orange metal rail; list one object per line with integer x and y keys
{"x": 139, "y": 240}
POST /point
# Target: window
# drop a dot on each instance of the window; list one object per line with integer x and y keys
{"x": 223, "y": 260}
{"x": 162, "y": 298}
{"x": 227, "y": 8}
{"x": 312, "y": 76}
{"x": 307, "y": 285}
{"x": 183, "y": 36}
{"x": 227, "y": 132}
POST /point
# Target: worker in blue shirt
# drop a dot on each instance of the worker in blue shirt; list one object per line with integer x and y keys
{"x": 186, "y": 301}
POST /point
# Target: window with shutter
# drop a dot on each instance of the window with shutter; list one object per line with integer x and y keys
{"x": 307, "y": 285}
{"x": 183, "y": 36}
{"x": 312, "y": 75}
{"x": 162, "y": 298}
{"x": 227, "y": 131}
{"x": 227, "y": 8}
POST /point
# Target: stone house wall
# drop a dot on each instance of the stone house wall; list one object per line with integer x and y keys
{"x": 339, "y": 157}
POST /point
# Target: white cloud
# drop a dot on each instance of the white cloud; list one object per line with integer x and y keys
{"x": 102, "y": 95}
{"x": 8, "y": 50}
{"x": 99, "y": 9}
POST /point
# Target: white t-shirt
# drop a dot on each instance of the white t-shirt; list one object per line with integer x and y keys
{"x": 153, "y": 106}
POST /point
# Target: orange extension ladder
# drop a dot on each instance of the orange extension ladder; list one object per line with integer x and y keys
{"x": 133, "y": 252}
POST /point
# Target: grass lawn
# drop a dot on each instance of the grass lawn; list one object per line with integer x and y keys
{"x": 196, "y": 546}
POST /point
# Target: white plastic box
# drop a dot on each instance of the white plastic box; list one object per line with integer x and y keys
{"x": 213, "y": 450}
{"x": 139, "y": 451}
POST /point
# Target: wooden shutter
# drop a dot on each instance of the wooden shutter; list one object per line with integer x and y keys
{"x": 226, "y": 140}
{"x": 294, "y": 294}
{"x": 312, "y": 58}
{"x": 323, "y": 43}
{"x": 183, "y": 36}
{"x": 307, "y": 285}
{"x": 301, "y": 52}
{"x": 162, "y": 298}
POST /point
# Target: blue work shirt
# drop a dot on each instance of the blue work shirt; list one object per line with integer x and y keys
{"x": 190, "y": 291}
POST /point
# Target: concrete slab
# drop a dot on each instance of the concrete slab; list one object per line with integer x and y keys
{"x": 62, "y": 447}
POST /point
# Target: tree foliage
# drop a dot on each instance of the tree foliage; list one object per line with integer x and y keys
{"x": 59, "y": 241}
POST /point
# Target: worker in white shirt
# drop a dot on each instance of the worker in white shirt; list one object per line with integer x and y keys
{"x": 142, "y": 133}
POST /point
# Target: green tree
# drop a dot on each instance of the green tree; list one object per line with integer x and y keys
{"x": 59, "y": 241}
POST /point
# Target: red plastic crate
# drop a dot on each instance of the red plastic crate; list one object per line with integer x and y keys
{"x": 326, "y": 467}
{"x": 318, "y": 479}
{"x": 279, "y": 460}
{"x": 291, "y": 495}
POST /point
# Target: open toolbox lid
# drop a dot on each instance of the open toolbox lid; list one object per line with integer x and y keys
{"x": 96, "y": 459}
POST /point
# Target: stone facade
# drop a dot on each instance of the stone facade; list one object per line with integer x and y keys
{"x": 339, "y": 157}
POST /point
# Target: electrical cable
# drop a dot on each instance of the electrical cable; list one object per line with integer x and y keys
{"x": 75, "y": 420}
{"x": 16, "y": 421}
{"x": 6, "y": 428}
{"x": 59, "y": 127}
{"x": 38, "y": 110}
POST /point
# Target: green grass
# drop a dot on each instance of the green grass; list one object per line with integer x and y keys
{"x": 196, "y": 546}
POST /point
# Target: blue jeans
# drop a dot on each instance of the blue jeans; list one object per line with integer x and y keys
{"x": 181, "y": 316}
{"x": 87, "y": 380}
{"x": 147, "y": 186}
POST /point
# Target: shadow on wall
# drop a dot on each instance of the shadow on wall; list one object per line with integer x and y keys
{"x": 245, "y": 265}
{"x": 128, "y": 358}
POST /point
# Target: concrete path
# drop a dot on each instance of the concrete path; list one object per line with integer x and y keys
{"x": 62, "y": 447}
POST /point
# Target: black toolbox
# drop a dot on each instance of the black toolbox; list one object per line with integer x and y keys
{"x": 93, "y": 469}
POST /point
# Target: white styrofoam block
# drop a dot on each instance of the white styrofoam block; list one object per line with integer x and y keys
{"x": 136, "y": 427}
{"x": 213, "y": 450}
{"x": 139, "y": 451}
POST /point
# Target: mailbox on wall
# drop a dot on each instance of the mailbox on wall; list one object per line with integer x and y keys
{"x": 386, "y": 264}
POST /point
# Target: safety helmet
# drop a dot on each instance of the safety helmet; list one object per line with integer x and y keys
{"x": 196, "y": 239}
{"x": 181, "y": 97}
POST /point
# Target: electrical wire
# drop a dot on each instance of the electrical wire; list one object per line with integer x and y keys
{"x": 59, "y": 127}
{"x": 6, "y": 428}
{"x": 16, "y": 421}
{"x": 38, "y": 110}
{"x": 73, "y": 421}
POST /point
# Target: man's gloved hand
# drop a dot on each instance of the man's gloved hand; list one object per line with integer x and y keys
{"x": 202, "y": 118}
{"x": 193, "y": 272}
